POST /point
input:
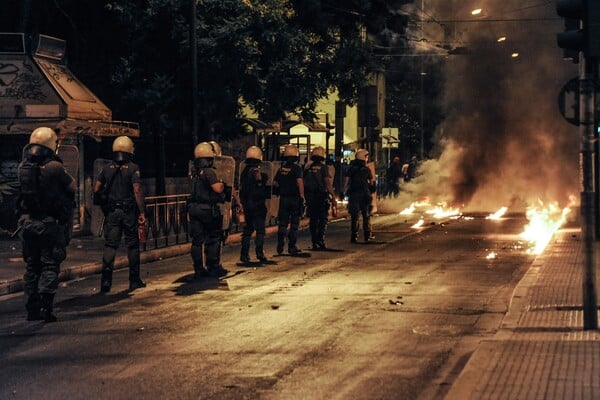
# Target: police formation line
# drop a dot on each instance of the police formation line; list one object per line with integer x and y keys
{"x": 47, "y": 193}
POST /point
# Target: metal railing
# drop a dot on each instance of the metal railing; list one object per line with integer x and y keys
{"x": 167, "y": 221}
{"x": 168, "y": 224}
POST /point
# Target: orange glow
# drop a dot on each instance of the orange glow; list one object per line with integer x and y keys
{"x": 543, "y": 223}
{"x": 498, "y": 214}
{"x": 418, "y": 224}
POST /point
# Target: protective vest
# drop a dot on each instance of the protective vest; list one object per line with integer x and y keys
{"x": 360, "y": 177}
{"x": 314, "y": 178}
{"x": 253, "y": 184}
{"x": 286, "y": 179}
{"x": 30, "y": 201}
{"x": 202, "y": 192}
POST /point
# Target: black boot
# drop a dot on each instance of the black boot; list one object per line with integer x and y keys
{"x": 33, "y": 307}
{"x": 260, "y": 254}
{"x": 47, "y": 300}
{"x": 136, "y": 283}
{"x": 280, "y": 243}
{"x": 106, "y": 280}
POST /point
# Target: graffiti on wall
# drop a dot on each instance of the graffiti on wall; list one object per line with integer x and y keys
{"x": 20, "y": 82}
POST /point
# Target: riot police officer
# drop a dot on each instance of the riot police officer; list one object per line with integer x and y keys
{"x": 254, "y": 190}
{"x": 45, "y": 207}
{"x": 124, "y": 210}
{"x": 289, "y": 185}
{"x": 359, "y": 186}
{"x": 206, "y": 220}
{"x": 318, "y": 189}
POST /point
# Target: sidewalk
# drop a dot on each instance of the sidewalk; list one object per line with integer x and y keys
{"x": 541, "y": 350}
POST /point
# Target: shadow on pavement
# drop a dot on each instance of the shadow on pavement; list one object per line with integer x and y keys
{"x": 82, "y": 303}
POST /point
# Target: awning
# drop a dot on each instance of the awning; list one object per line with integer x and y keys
{"x": 39, "y": 90}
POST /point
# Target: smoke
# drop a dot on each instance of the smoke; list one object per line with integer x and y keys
{"x": 503, "y": 141}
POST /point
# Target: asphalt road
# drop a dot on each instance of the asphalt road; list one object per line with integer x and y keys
{"x": 396, "y": 319}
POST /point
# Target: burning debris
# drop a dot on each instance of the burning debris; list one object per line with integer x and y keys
{"x": 543, "y": 223}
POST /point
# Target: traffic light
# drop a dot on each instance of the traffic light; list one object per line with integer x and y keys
{"x": 582, "y": 27}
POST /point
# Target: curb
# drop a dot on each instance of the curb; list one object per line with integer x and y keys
{"x": 83, "y": 270}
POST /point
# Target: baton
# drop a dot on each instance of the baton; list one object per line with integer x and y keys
{"x": 101, "y": 230}
{"x": 12, "y": 235}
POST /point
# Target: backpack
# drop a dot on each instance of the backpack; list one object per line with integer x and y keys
{"x": 29, "y": 201}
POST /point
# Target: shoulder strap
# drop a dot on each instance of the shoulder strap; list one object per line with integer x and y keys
{"x": 112, "y": 179}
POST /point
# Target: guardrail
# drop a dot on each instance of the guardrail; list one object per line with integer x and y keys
{"x": 167, "y": 221}
{"x": 168, "y": 224}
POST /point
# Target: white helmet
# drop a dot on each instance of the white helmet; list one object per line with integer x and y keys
{"x": 204, "y": 150}
{"x": 362, "y": 154}
{"x": 44, "y": 137}
{"x": 216, "y": 148}
{"x": 291, "y": 151}
{"x": 123, "y": 144}
{"x": 254, "y": 152}
{"x": 318, "y": 151}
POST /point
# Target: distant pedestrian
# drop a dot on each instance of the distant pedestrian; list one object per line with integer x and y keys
{"x": 410, "y": 169}
{"x": 318, "y": 189}
{"x": 289, "y": 185}
{"x": 45, "y": 207}
{"x": 392, "y": 177}
{"x": 359, "y": 186}
{"x": 254, "y": 190}
{"x": 125, "y": 208}
{"x": 206, "y": 219}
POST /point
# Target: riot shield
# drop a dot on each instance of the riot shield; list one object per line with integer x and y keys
{"x": 274, "y": 202}
{"x": 371, "y": 166}
{"x": 225, "y": 169}
{"x": 266, "y": 167}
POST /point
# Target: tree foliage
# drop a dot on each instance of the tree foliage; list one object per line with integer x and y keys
{"x": 277, "y": 57}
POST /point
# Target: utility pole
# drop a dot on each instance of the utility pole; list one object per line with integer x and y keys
{"x": 582, "y": 36}
{"x": 588, "y": 135}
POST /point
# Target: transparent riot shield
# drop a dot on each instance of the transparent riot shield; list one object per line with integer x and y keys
{"x": 266, "y": 167}
{"x": 371, "y": 166}
{"x": 225, "y": 169}
{"x": 274, "y": 201}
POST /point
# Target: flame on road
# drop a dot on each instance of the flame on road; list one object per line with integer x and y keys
{"x": 442, "y": 212}
{"x": 418, "y": 224}
{"x": 543, "y": 223}
{"x": 439, "y": 211}
{"x": 498, "y": 214}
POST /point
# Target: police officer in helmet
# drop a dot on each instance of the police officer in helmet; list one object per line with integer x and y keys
{"x": 45, "y": 207}
{"x": 289, "y": 184}
{"x": 124, "y": 210}
{"x": 206, "y": 220}
{"x": 318, "y": 189}
{"x": 359, "y": 186}
{"x": 254, "y": 190}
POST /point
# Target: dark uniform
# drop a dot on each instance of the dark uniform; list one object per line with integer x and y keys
{"x": 206, "y": 221}
{"x": 291, "y": 203}
{"x": 121, "y": 219}
{"x": 318, "y": 199}
{"x": 359, "y": 191}
{"x": 45, "y": 231}
{"x": 393, "y": 175}
{"x": 254, "y": 191}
